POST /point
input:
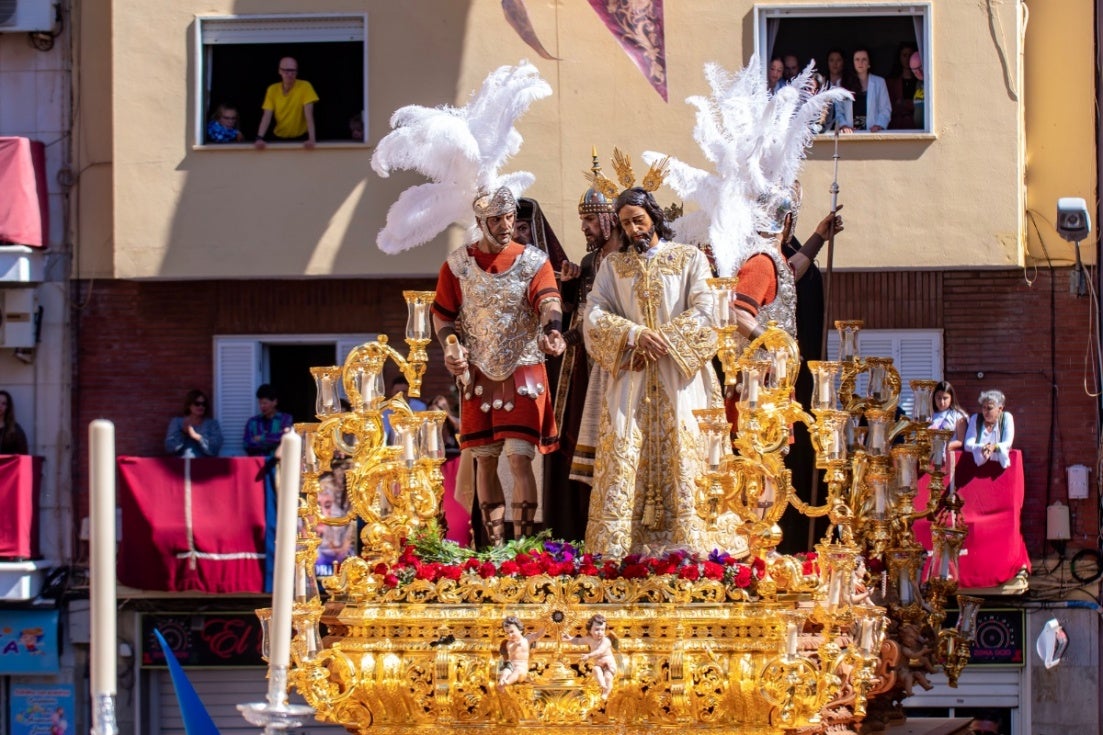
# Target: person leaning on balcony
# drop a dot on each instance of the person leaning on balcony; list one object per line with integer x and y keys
{"x": 194, "y": 433}
{"x": 12, "y": 438}
{"x": 291, "y": 103}
{"x": 990, "y": 432}
{"x": 871, "y": 109}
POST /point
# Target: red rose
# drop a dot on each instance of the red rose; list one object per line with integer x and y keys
{"x": 390, "y": 580}
{"x": 742, "y": 577}
{"x": 759, "y": 567}
{"x": 610, "y": 570}
{"x": 587, "y": 558}
{"x": 380, "y": 568}
{"x": 691, "y": 572}
{"x": 713, "y": 570}
{"x": 509, "y": 568}
{"x": 634, "y": 571}
{"x": 471, "y": 564}
{"x": 428, "y": 572}
{"x": 522, "y": 558}
{"x": 451, "y": 572}
{"x": 531, "y": 569}
{"x": 588, "y": 570}
{"x": 664, "y": 566}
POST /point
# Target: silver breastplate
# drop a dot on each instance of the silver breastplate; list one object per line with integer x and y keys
{"x": 496, "y": 322}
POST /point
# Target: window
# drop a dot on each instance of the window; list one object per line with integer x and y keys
{"x": 812, "y": 32}
{"x": 238, "y": 58}
{"x": 243, "y": 363}
{"x": 916, "y": 354}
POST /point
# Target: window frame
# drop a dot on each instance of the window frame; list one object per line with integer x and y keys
{"x": 764, "y": 12}
{"x": 269, "y": 36}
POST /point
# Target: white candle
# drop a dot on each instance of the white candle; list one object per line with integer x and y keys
{"x": 827, "y": 382}
{"x": 714, "y": 452}
{"x": 791, "y": 639}
{"x": 283, "y": 582}
{"x": 833, "y": 590}
{"x": 781, "y": 368}
{"x": 944, "y": 565}
{"x": 408, "y": 452}
{"x": 434, "y": 437}
{"x": 751, "y": 378}
{"x": 867, "y": 636}
{"x": 327, "y": 392}
{"x": 879, "y": 499}
{"x": 419, "y": 320}
{"x": 723, "y": 315}
{"x": 101, "y": 441}
{"x": 905, "y": 588}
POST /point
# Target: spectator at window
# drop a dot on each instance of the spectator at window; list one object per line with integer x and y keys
{"x": 901, "y": 84}
{"x": 356, "y": 127}
{"x": 871, "y": 109}
{"x": 791, "y": 67}
{"x": 986, "y": 722}
{"x": 775, "y": 74}
{"x": 815, "y": 85}
{"x": 194, "y": 433}
{"x": 223, "y": 126}
{"x": 291, "y": 103}
{"x": 12, "y": 438}
{"x": 991, "y": 431}
{"x": 837, "y": 77}
{"x": 915, "y": 63}
{"x": 948, "y": 413}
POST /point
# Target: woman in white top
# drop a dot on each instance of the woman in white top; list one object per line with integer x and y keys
{"x": 990, "y": 433}
{"x": 948, "y": 413}
{"x": 871, "y": 109}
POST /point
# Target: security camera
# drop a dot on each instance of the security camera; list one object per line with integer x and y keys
{"x": 1073, "y": 222}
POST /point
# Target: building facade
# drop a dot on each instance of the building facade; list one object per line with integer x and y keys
{"x": 178, "y": 263}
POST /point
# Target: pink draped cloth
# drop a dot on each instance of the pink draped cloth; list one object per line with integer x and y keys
{"x": 24, "y": 210}
{"x": 994, "y": 550}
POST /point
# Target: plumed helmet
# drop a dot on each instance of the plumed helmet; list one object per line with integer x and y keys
{"x": 494, "y": 204}
{"x": 595, "y": 200}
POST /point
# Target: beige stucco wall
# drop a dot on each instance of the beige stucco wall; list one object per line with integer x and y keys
{"x": 184, "y": 213}
{"x": 1059, "y": 64}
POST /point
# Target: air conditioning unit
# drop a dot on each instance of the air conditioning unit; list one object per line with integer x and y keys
{"x": 18, "y": 316}
{"x": 27, "y": 15}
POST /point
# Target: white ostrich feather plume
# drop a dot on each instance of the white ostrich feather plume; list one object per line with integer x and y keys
{"x": 462, "y": 149}
{"x": 756, "y": 143}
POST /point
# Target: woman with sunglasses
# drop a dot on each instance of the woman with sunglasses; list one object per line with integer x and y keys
{"x": 194, "y": 433}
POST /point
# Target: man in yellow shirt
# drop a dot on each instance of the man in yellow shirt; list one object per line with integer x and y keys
{"x": 291, "y": 102}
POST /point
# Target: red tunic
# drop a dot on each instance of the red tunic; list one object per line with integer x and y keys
{"x": 531, "y": 420}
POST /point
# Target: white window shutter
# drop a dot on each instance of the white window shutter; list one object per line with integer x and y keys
{"x": 236, "y": 379}
{"x": 916, "y": 354}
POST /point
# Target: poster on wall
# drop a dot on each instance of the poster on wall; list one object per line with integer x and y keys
{"x": 28, "y": 642}
{"x": 338, "y": 542}
{"x": 41, "y": 709}
{"x": 204, "y": 640}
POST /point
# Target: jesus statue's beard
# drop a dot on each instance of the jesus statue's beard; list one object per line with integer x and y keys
{"x": 642, "y": 242}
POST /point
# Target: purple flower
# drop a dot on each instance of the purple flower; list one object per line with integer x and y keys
{"x": 719, "y": 557}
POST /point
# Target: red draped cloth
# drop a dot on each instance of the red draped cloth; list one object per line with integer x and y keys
{"x": 994, "y": 550}
{"x": 192, "y": 524}
{"x": 19, "y": 486}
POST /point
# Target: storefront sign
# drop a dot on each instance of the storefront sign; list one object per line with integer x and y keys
{"x": 204, "y": 640}
{"x": 28, "y": 642}
{"x": 41, "y": 709}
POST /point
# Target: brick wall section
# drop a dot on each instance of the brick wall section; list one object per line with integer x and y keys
{"x": 142, "y": 345}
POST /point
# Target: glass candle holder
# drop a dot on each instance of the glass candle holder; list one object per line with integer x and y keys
{"x": 715, "y": 430}
{"x": 327, "y": 398}
{"x": 419, "y": 322}
{"x": 305, "y": 585}
{"x": 367, "y": 388}
{"x": 967, "y": 618}
{"x": 940, "y": 446}
{"x": 848, "y": 339}
{"x": 904, "y": 572}
{"x": 722, "y": 296}
{"x": 877, "y": 480}
{"x": 754, "y": 382}
{"x": 877, "y": 389}
{"x": 405, "y": 430}
{"x": 923, "y": 392}
{"x": 905, "y": 460}
{"x": 946, "y": 552}
{"x": 877, "y": 439}
{"x": 311, "y": 464}
{"x": 432, "y": 436}
{"x": 264, "y": 615}
{"x": 824, "y": 396}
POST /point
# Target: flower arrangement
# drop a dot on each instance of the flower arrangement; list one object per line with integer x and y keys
{"x": 428, "y": 557}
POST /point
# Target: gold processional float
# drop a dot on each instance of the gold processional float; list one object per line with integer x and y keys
{"x": 409, "y": 637}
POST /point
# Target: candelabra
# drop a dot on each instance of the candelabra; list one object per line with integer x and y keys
{"x": 765, "y": 642}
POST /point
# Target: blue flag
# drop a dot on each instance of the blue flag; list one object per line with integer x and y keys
{"x": 197, "y": 721}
